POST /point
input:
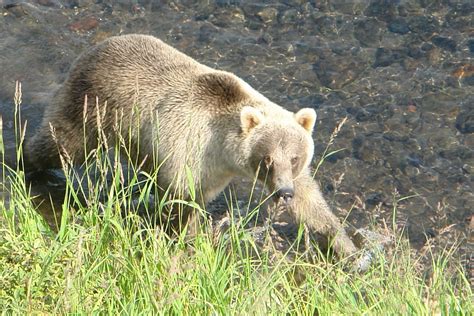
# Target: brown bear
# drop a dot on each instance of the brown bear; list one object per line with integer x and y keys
{"x": 182, "y": 115}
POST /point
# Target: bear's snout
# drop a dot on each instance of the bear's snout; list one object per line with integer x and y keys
{"x": 286, "y": 194}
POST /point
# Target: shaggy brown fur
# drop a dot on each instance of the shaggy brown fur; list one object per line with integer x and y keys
{"x": 180, "y": 114}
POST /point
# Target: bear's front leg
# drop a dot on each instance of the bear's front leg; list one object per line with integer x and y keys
{"x": 309, "y": 207}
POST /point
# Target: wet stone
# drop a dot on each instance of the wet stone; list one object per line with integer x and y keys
{"x": 382, "y": 9}
{"x": 460, "y": 17}
{"x": 84, "y": 24}
{"x": 314, "y": 101}
{"x": 461, "y": 152}
{"x": 415, "y": 51}
{"x": 335, "y": 73}
{"x": 49, "y": 3}
{"x": 425, "y": 26}
{"x": 469, "y": 80}
{"x": 227, "y": 17}
{"x": 465, "y": 121}
{"x": 16, "y": 9}
{"x": 289, "y": 16}
{"x": 399, "y": 26}
{"x": 368, "y": 32}
{"x": 268, "y": 14}
{"x": 363, "y": 114}
{"x": 326, "y": 25}
{"x": 395, "y": 136}
{"x": 385, "y": 57}
{"x": 265, "y": 38}
{"x": 207, "y": 32}
{"x": 470, "y": 45}
{"x": 374, "y": 198}
{"x": 444, "y": 43}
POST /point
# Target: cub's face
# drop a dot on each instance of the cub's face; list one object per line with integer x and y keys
{"x": 278, "y": 150}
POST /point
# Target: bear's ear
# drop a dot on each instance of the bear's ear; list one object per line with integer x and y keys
{"x": 307, "y": 118}
{"x": 249, "y": 118}
{"x": 221, "y": 86}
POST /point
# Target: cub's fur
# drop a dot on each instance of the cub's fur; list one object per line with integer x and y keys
{"x": 180, "y": 114}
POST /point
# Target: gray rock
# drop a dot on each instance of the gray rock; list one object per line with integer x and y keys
{"x": 444, "y": 43}
{"x": 399, "y": 25}
{"x": 465, "y": 121}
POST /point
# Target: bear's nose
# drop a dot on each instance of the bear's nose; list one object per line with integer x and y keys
{"x": 286, "y": 194}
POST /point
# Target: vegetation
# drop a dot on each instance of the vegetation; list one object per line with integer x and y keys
{"x": 102, "y": 261}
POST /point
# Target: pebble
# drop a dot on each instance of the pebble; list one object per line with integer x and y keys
{"x": 336, "y": 72}
{"x": 465, "y": 121}
{"x": 289, "y": 16}
{"x": 85, "y": 24}
{"x": 268, "y": 14}
{"x": 470, "y": 45}
{"x": 424, "y": 26}
{"x": 368, "y": 32}
{"x": 444, "y": 42}
{"x": 385, "y": 57}
{"x": 399, "y": 26}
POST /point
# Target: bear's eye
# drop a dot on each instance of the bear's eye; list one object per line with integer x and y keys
{"x": 294, "y": 160}
{"x": 268, "y": 161}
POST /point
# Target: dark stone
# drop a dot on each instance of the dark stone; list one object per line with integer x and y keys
{"x": 357, "y": 142}
{"x": 374, "y": 198}
{"x": 368, "y": 32}
{"x": 326, "y": 25}
{"x": 470, "y": 44}
{"x": 17, "y": 9}
{"x": 70, "y": 4}
{"x": 382, "y": 9}
{"x": 313, "y": 101}
{"x": 268, "y": 14}
{"x": 289, "y": 16}
{"x": 362, "y": 114}
{"x": 414, "y": 51}
{"x": 49, "y": 3}
{"x": 461, "y": 152}
{"x": 207, "y": 32}
{"x": 444, "y": 43}
{"x": 367, "y": 149}
{"x": 414, "y": 160}
{"x": 334, "y": 157}
{"x": 430, "y": 233}
{"x": 399, "y": 26}
{"x": 329, "y": 187}
{"x": 335, "y": 73}
{"x": 469, "y": 80}
{"x": 395, "y": 136}
{"x": 426, "y": 47}
{"x": 85, "y": 24}
{"x": 385, "y": 57}
{"x": 460, "y": 17}
{"x": 266, "y": 38}
{"x": 425, "y": 26}
{"x": 226, "y": 17}
{"x": 465, "y": 121}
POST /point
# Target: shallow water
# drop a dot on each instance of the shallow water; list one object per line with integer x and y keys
{"x": 401, "y": 71}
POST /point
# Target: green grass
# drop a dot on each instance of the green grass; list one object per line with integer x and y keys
{"x": 99, "y": 261}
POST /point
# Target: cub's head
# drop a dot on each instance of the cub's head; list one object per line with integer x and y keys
{"x": 278, "y": 148}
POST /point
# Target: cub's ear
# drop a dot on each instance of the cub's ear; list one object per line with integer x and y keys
{"x": 307, "y": 118}
{"x": 220, "y": 86}
{"x": 249, "y": 118}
